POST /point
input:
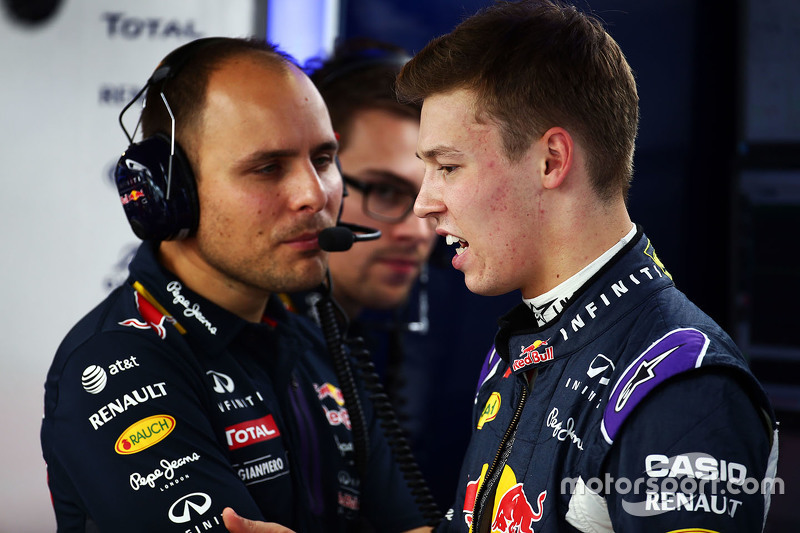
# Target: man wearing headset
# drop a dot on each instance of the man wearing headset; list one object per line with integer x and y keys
{"x": 191, "y": 388}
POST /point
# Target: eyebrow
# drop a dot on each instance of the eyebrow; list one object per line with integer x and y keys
{"x": 386, "y": 175}
{"x": 265, "y": 155}
{"x": 439, "y": 151}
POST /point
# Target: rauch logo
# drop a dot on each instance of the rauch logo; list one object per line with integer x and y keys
{"x": 144, "y": 433}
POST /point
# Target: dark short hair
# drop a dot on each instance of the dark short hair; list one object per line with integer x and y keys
{"x": 185, "y": 87}
{"x": 533, "y": 65}
{"x": 360, "y": 75}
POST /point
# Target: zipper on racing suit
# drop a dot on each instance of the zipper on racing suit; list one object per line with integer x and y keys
{"x": 500, "y": 459}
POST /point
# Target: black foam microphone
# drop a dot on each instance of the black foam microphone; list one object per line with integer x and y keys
{"x": 341, "y": 238}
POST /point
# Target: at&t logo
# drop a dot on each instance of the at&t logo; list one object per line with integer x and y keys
{"x": 95, "y": 378}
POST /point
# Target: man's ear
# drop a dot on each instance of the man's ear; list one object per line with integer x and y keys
{"x": 559, "y": 152}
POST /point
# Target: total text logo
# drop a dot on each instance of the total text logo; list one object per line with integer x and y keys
{"x": 130, "y": 27}
{"x": 251, "y": 432}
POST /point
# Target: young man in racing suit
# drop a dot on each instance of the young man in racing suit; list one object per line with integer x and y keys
{"x": 609, "y": 401}
{"x": 191, "y": 388}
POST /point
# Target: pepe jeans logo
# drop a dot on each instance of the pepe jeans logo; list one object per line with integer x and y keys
{"x": 563, "y": 430}
{"x": 167, "y": 471}
{"x": 189, "y": 310}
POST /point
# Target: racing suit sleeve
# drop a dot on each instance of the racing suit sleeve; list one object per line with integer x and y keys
{"x": 694, "y": 455}
{"x": 134, "y": 450}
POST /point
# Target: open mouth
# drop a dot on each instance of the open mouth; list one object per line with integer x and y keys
{"x": 462, "y": 244}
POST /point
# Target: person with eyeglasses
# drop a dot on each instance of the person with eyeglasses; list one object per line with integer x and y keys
{"x": 381, "y": 174}
{"x": 379, "y": 285}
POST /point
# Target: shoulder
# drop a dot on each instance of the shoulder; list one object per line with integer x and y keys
{"x": 112, "y": 346}
{"x": 669, "y": 355}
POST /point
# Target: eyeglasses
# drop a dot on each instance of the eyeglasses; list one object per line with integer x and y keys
{"x": 383, "y": 201}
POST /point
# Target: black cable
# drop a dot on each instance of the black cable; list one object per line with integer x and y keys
{"x": 326, "y": 309}
{"x": 344, "y": 373}
{"x": 395, "y": 435}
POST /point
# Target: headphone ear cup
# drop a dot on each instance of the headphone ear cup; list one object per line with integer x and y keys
{"x": 157, "y": 209}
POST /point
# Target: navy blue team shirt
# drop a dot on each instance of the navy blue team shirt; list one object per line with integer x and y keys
{"x": 161, "y": 409}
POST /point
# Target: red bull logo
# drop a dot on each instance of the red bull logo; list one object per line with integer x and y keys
{"x": 152, "y": 317}
{"x": 132, "y": 197}
{"x": 515, "y": 514}
{"x": 530, "y": 355}
{"x": 472, "y": 493}
{"x": 330, "y": 391}
{"x": 512, "y": 512}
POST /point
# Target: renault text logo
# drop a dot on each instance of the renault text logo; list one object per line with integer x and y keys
{"x": 181, "y": 510}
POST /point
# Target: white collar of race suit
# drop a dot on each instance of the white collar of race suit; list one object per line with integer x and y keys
{"x": 547, "y": 306}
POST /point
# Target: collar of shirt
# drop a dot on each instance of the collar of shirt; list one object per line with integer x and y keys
{"x": 547, "y": 306}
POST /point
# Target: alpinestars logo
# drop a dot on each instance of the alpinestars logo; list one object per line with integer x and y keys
{"x": 644, "y": 373}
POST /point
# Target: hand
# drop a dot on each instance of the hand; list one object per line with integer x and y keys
{"x": 237, "y": 524}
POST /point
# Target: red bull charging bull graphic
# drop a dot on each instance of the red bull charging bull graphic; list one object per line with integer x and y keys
{"x": 152, "y": 317}
{"x": 512, "y": 512}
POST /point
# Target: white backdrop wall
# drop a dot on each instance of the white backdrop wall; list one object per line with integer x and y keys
{"x": 64, "y": 235}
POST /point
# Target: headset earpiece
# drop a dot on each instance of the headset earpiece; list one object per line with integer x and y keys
{"x": 156, "y": 184}
{"x": 157, "y": 208}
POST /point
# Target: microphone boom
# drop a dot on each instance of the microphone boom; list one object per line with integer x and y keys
{"x": 341, "y": 238}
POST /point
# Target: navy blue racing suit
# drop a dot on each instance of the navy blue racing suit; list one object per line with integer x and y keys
{"x": 161, "y": 409}
{"x": 630, "y": 411}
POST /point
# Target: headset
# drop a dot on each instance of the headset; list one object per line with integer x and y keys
{"x": 155, "y": 181}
